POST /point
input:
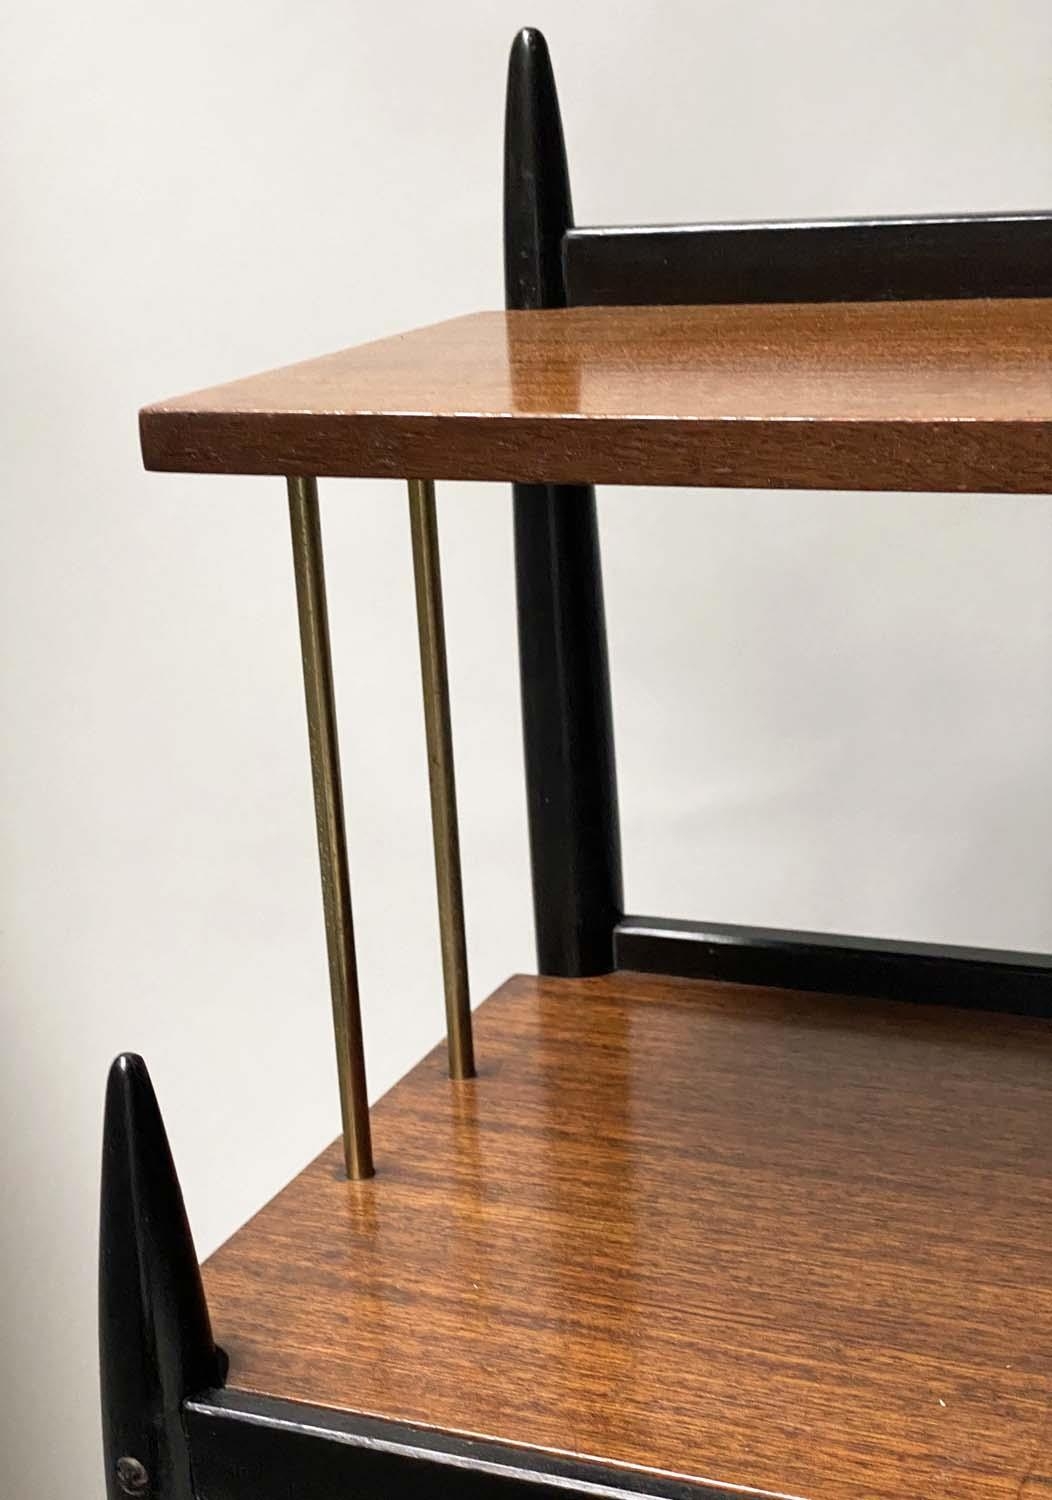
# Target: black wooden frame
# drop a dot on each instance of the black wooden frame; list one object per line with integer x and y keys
{"x": 836, "y": 964}
{"x": 155, "y": 1340}
{"x": 842, "y": 260}
{"x": 254, "y": 1446}
{"x": 568, "y": 735}
{"x": 570, "y": 777}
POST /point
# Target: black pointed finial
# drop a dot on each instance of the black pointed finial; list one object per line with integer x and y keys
{"x": 571, "y": 781}
{"x": 537, "y": 207}
{"x": 155, "y": 1339}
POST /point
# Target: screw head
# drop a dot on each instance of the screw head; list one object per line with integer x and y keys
{"x": 132, "y": 1476}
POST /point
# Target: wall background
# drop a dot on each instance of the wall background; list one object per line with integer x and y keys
{"x": 832, "y": 711}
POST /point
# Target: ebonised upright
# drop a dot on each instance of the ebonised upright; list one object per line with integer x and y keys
{"x": 155, "y": 1339}
{"x": 571, "y": 783}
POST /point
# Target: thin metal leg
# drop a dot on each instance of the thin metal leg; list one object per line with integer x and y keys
{"x": 328, "y": 812}
{"x": 428, "y": 576}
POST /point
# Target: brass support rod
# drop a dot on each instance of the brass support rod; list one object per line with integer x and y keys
{"x": 427, "y": 574}
{"x": 328, "y": 813}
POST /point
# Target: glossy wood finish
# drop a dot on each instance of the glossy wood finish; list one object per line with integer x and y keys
{"x": 747, "y": 1236}
{"x": 567, "y": 721}
{"x": 932, "y": 973}
{"x": 973, "y": 255}
{"x": 909, "y": 396}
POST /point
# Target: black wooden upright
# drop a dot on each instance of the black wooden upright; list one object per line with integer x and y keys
{"x": 571, "y": 784}
{"x": 155, "y": 1340}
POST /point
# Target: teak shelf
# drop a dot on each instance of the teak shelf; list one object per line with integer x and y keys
{"x": 713, "y": 1210}
{"x": 900, "y": 395}
{"x": 770, "y": 1239}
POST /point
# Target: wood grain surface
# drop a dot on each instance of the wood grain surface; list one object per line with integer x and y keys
{"x": 908, "y": 396}
{"x": 782, "y": 1241}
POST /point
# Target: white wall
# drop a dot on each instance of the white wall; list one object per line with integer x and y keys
{"x": 831, "y": 711}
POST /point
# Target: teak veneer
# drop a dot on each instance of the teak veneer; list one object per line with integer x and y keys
{"x": 901, "y": 395}
{"x": 788, "y": 1242}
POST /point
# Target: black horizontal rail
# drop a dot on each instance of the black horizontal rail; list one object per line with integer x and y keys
{"x": 973, "y": 978}
{"x": 269, "y": 1449}
{"x": 835, "y": 260}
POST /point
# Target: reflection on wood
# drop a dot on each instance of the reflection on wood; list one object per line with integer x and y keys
{"x": 789, "y": 1241}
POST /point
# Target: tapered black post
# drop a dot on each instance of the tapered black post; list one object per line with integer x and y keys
{"x": 155, "y": 1340}
{"x": 571, "y": 784}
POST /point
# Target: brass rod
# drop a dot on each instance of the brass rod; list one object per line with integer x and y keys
{"x": 328, "y": 813}
{"x": 427, "y": 574}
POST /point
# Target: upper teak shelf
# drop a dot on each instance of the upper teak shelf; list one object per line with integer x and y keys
{"x": 864, "y": 396}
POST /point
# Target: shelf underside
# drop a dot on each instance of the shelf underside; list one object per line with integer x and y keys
{"x": 791, "y": 1242}
{"x": 898, "y": 396}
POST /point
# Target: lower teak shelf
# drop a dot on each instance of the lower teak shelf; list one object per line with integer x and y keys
{"x": 790, "y": 1243}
